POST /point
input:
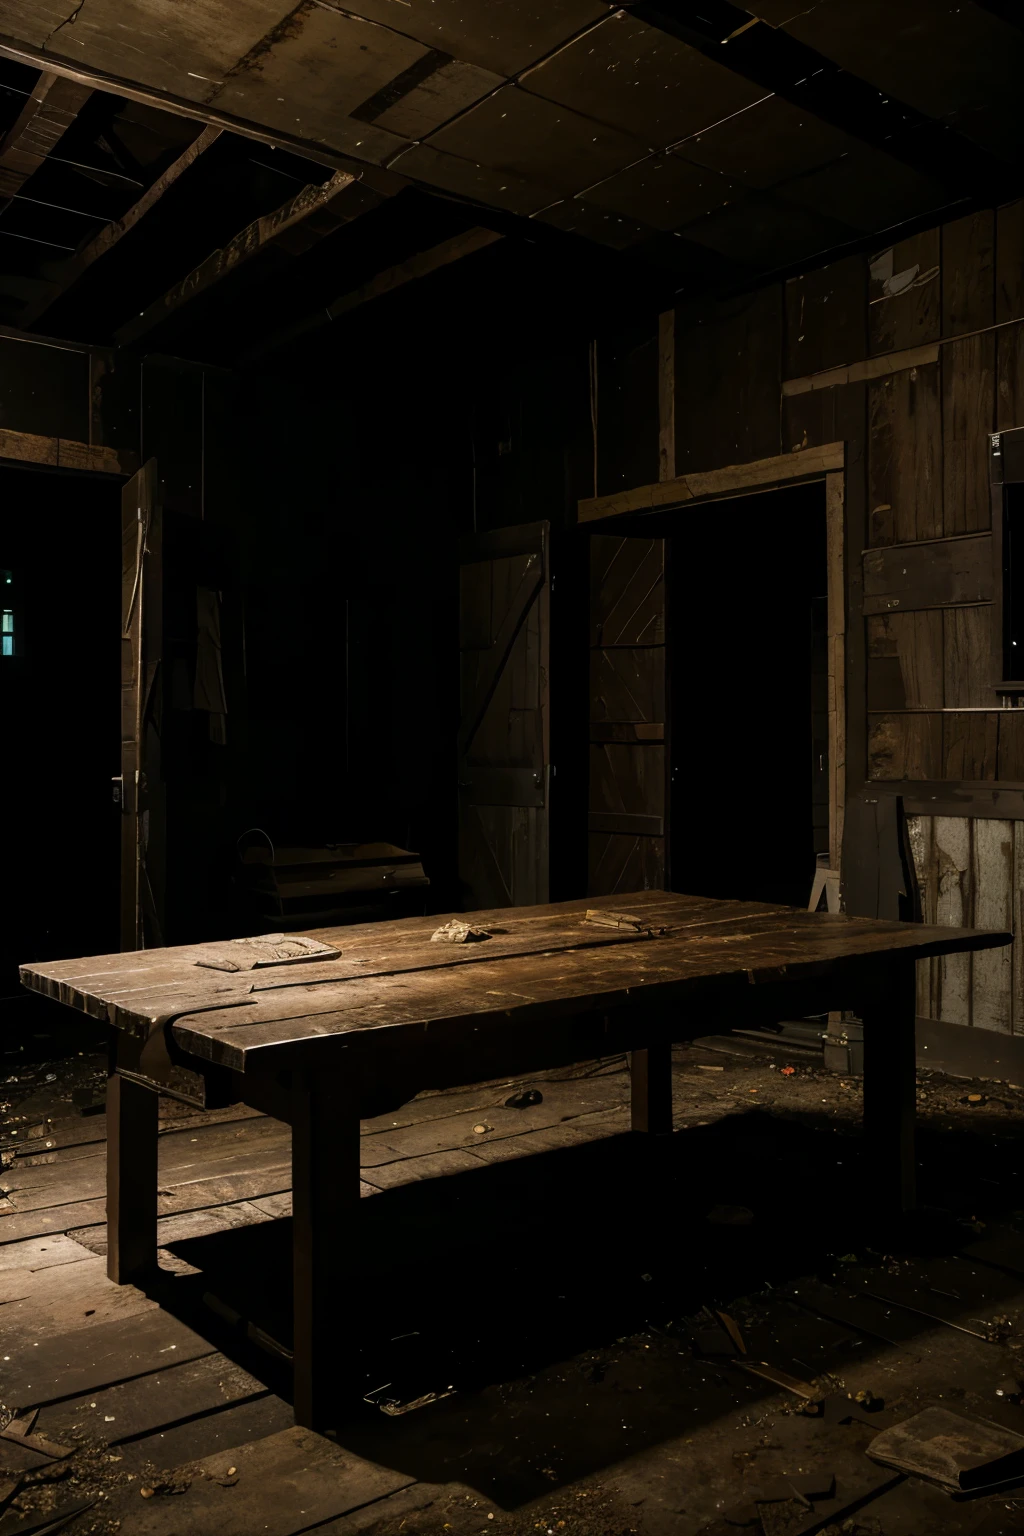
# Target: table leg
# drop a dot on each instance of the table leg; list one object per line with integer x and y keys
{"x": 890, "y": 1085}
{"x": 650, "y": 1075}
{"x": 325, "y": 1208}
{"x": 132, "y": 1127}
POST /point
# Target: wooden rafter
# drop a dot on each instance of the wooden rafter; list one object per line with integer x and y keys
{"x": 43, "y": 120}
{"x": 299, "y": 223}
{"x": 383, "y": 180}
{"x": 420, "y": 265}
{"x": 71, "y": 270}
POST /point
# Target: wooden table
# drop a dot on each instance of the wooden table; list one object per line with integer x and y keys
{"x": 328, "y": 1041}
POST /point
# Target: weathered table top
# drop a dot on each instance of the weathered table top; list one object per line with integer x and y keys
{"x": 388, "y": 976}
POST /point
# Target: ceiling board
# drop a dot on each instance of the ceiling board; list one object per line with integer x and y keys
{"x": 500, "y": 35}
{"x": 170, "y": 45}
{"x": 32, "y": 21}
{"x": 757, "y": 231}
{"x": 773, "y": 140}
{"x": 578, "y": 216}
{"x": 641, "y": 81}
{"x": 947, "y": 58}
{"x": 866, "y": 190}
{"x": 664, "y": 192}
{"x": 538, "y": 140}
{"x": 465, "y": 178}
{"x": 319, "y": 69}
{"x": 449, "y": 90}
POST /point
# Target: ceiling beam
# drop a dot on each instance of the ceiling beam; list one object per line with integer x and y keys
{"x": 772, "y": 59}
{"x": 409, "y": 271}
{"x": 46, "y": 116}
{"x": 383, "y": 181}
{"x": 305, "y": 219}
{"x": 68, "y": 272}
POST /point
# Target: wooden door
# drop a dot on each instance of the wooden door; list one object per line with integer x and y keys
{"x": 143, "y": 819}
{"x": 504, "y": 584}
{"x": 628, "y": 765}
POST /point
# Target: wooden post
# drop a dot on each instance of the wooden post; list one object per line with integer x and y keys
{"x": 835, "y": 538}
{"x": 666, "y": 395}
{"x": 650, "y": 1074}
{"x": 890, "y": 1084}
{"x": 325, "y": 1208}
{"x": 132, "y": 1127}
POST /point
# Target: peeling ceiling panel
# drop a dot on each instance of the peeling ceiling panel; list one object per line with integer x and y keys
{"x": 182, "y": 46}
{"x": 308, "y": 77}
{"x": 867, "y": 190}
{"x": 771, "y": 141}
{"x": 465, "y": 178}
{"x": 641, "y": 81}
{"x": 500, "y": 35}
{"x": 949, "y": 59}
{"x": 541, "y": 142}
{"x": 664, "y": 192}
{"x": 763, "y": 233}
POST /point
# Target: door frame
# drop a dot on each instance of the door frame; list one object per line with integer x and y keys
{"x": 806, "y": 466}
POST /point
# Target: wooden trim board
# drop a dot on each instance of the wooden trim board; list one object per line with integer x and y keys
{"x": 710, "y": 485}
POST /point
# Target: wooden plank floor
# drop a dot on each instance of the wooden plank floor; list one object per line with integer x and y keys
{"x": 169, "y": 1412}
{"x": 89, "y": 1363}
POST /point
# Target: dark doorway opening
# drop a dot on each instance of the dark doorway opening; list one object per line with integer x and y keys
{"x": 747, "y": 636}
{"x": 60, "y": 557}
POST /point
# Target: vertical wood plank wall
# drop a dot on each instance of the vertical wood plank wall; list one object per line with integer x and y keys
{"x": 971, "y": 871}
{"x": 911, "y": 356}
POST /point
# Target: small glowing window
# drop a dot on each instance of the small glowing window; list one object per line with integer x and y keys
{"x": 7, "y": 632}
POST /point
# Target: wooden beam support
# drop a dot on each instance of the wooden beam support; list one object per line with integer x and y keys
{"x": 667, "y": 395}
{"x": 869, "y": 368}
{"x": 835, "y": 544}
{"x": 421, "y": 265}
{"x": 307, "y": 209}
{"x": 735, "y": 480}
{"x": 71, "y": 270}
{"x": 46, "y": 116}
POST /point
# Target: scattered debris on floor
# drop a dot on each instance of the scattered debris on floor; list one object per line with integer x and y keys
{"x": 751, "y": 1385}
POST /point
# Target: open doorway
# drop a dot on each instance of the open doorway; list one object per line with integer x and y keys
{"x": 748, "y": 686}
{"x": 60, "y": 570}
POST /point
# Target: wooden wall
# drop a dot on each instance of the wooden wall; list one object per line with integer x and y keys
{"x": 912, "y": 356}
